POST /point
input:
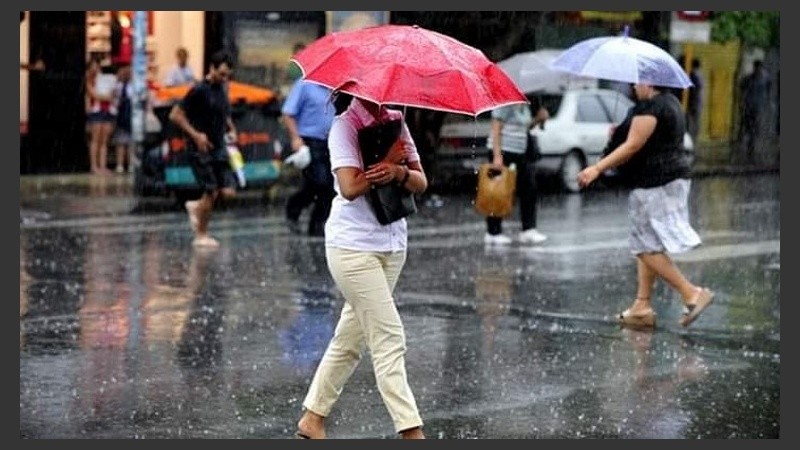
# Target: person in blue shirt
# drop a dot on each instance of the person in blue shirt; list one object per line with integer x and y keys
{"x": 308, "y": 114}
{"x": 180, "y": 73}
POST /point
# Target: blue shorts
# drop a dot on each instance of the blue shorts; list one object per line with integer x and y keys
{"x": 100, "y": 116}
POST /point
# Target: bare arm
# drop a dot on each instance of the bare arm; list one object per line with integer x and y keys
{"x": 294, "y": 136}
{"x": 642, "y": 128}
{"x": 354, "y": 182}
{"x": 231, "y": 126}
{"x": 497, "y": 153}
{"x": 417, "y": 181}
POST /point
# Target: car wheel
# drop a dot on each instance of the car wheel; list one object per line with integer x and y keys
{"x": 572, "y": 164}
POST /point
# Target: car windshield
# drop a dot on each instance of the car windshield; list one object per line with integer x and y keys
{"x": 551, "y": 102}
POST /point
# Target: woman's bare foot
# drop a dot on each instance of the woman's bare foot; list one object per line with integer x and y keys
{"x": 311, "y": 426}
{"x": 413, "y": 433}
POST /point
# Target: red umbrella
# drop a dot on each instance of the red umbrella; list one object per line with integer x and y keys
{"x": 411, "y": 66}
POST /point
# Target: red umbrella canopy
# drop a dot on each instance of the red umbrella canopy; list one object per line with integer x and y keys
{"x": 411, "y": 66}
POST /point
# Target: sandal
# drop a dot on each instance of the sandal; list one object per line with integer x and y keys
{"x": 699, "y": 302}
{"x": 642, "y": 320}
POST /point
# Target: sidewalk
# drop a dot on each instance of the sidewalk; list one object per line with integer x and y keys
{"x": 712, "y": 160}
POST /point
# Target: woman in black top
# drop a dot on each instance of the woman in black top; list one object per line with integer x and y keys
{"x": 654, "y": 163}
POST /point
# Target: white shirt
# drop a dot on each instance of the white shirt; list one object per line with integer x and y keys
{"x": 179, "y": 75}
{"x": 352, "y": 225}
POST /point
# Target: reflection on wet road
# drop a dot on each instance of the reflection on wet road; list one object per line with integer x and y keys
{"x": 127, "y": 331}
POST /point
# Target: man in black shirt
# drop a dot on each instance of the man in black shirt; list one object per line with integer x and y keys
{"x": 204, "y": 114}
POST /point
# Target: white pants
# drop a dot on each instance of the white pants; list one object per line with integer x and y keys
{"x": 369, "y": 318}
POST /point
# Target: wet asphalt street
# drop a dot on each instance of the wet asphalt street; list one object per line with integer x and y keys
{"x": 126, "y": 331}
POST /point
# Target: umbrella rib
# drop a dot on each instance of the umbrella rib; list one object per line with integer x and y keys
{"x": 390, "y": 84}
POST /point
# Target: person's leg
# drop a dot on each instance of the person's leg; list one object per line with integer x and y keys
{"x": 367, "y": 281}
{"x": 695, "y": 298}
{"x": 320, "y": 211}
{"x": 336, "y": 366}
{"x": 750, "y": 136}
{"x": 663, "y": 266}
{"x": 200, "y": 210}
{"x": 640, "y": 313}
{"x": 385, "y": 336}
{"x": 494, "y": 225}
{"x": 646, "y": 279}
{"x": 528, "y": 197}
{"x": 321, "y": 180}
{"x": 130, "y": 156}
{"x": 298, "y": 201}
{"x": 94, "y": 146}
{"x": 408, "y": 425}
{"x": 341, "y": 356}
{"x": 106, "y": 129}
{"x": 225, "y": 179}
{"x": 122, "y": 153}
{"x": 323, "y": 197}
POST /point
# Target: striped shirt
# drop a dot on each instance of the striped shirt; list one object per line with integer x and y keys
{"x": 517, "y": 121}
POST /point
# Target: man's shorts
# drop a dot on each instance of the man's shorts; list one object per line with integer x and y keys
{"x": 210, "y": 172}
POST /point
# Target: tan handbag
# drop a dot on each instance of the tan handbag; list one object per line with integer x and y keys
{"x": 495, "y": 191}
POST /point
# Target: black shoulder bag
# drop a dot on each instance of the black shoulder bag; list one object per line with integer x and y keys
{"x": 389, "y": 202}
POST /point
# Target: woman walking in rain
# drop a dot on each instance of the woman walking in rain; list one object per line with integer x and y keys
{"x": 365, "y": 260}
{"x": 653, "y": 161}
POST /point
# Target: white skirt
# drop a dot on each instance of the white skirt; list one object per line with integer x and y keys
{"x": 660, "y": 219}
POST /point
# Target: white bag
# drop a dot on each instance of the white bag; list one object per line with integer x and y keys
{"x": 151, "y": 122}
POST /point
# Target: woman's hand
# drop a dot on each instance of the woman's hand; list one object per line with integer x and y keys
{"x": 497, "y": 161}
{"x": 383, "y": 173}
{"x": 588, "y": 175}
{"x": 396, "y": 154}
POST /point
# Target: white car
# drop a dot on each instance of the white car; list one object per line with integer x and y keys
{"x": 580, "y": 124}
